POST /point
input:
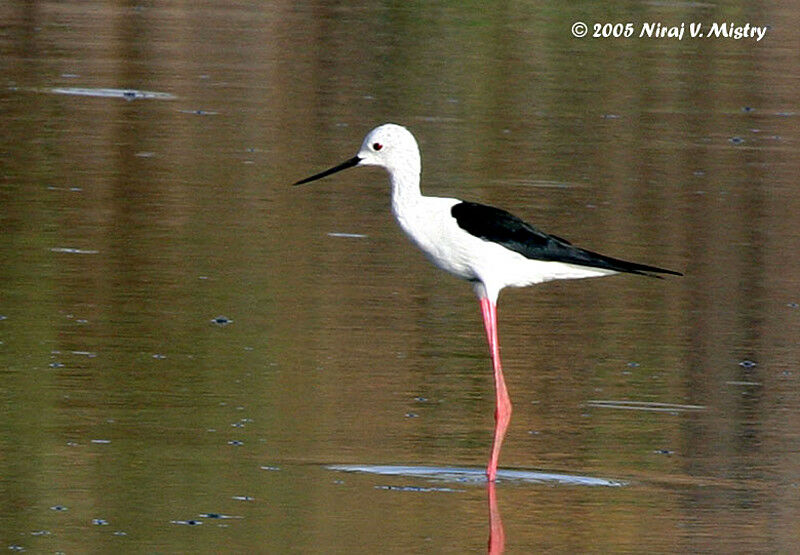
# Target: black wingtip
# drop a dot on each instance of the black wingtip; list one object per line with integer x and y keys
{"x": 656, "y": 271}
{"x": 640, "y": 269}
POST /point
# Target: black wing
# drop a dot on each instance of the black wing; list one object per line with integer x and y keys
{"x": 498, "y": 226}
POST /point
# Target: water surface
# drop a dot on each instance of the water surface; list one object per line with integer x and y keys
{"x": 188, "y": 344}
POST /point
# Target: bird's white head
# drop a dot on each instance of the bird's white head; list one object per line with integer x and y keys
{"x": 389, "y": 146}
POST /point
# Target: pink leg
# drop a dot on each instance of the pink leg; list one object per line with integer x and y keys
{"x": 497, "y": 535}
{"x": 502, "y": 414}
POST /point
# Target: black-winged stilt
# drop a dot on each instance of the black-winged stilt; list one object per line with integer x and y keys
{"x": 486, "y": 246}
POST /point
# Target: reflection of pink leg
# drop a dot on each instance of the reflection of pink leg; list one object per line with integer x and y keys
{"x": 502, "y": 414}
{"x": 497, "y": 536}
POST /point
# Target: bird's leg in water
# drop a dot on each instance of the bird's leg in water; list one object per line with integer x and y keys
{"x": 502, "y": 414}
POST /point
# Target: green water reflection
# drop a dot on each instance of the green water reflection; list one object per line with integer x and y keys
{"x": 126, "y": 226}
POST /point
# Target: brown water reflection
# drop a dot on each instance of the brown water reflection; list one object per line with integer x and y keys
{"x": 126, "y": 226}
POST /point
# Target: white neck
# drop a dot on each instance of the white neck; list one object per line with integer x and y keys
{"x": 405, "y": 183}
{"x": 404, "y": 179}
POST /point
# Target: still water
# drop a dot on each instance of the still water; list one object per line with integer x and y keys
{"x": 195, "y": 356}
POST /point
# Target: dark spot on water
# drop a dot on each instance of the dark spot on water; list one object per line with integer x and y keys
{"x": 15, "y": 547}
{"x": 58, "y": 508}
{"x": 242, "y": 498}
{"x": 199, "y": 112}
{"x": 411, "y": 415}
{"x": 99, "y": 522}
{"x": 793, "y": 305}
{"x": 218, "y": 516}
{"x": 187, "y": 522}
{"x": 235, "y": 442}
{"x": 633, "y": 365}
{"x": 56, "y": 365}
{"x": 663, "y": 452}
{"x": 129, "y": 95}
{"x": 747, "y": 364}
{"x": 417, "y": 489}
{"x": 221, "y": 320}
{"x": 736, "y": 140}
{"x": 747, "y": 109}
{"x": 421, "y": 399}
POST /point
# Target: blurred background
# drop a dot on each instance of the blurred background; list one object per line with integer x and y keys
{"x": 187, "y": 341}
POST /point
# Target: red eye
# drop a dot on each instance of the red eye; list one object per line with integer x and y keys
{"x": 377, "y": 146}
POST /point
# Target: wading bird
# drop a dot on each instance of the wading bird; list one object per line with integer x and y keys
{"x": 486, "y": 246}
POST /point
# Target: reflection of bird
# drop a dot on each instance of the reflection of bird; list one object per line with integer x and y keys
{"x": 486, "y": 246}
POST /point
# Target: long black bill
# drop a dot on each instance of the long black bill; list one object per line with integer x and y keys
{"x": 343, "y": 166}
